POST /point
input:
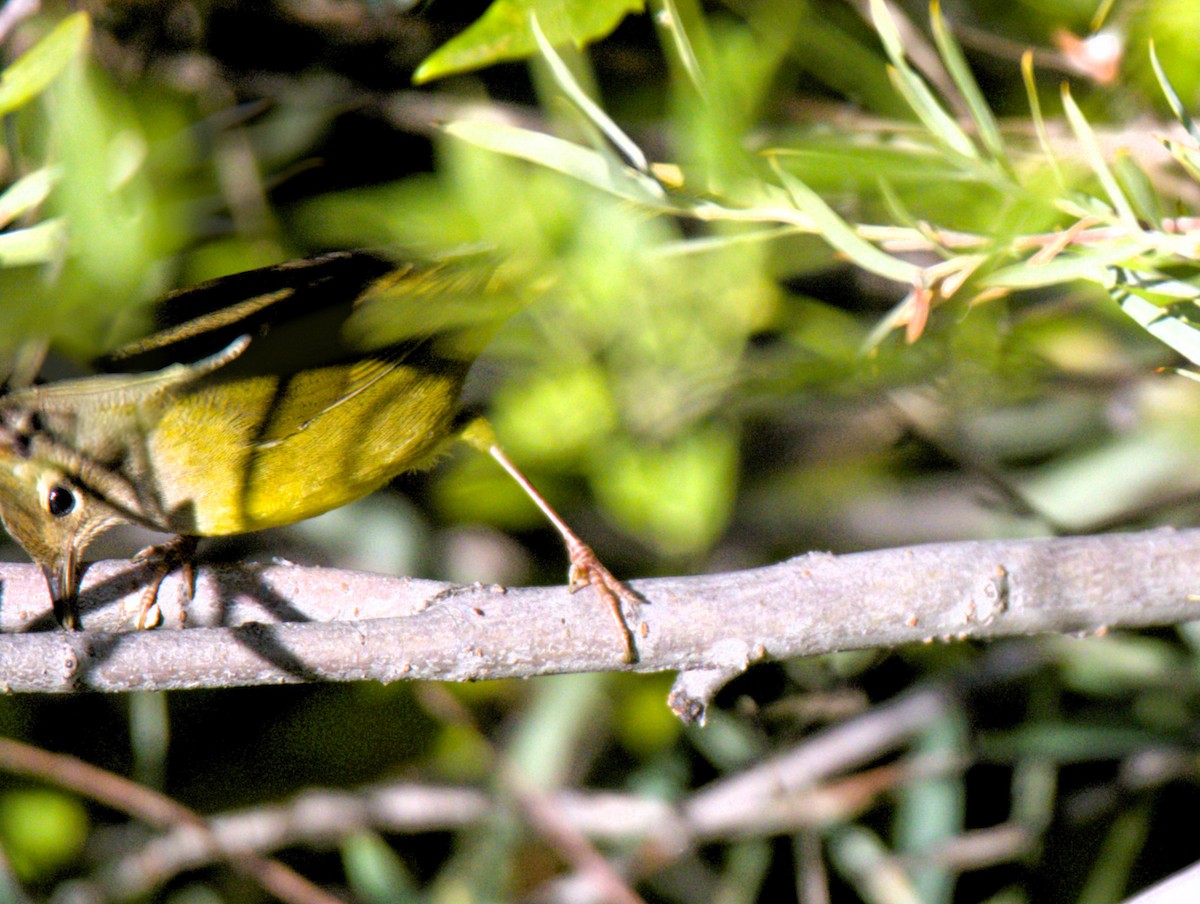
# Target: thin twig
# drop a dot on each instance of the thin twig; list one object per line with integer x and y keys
{"x": 552, "y": 824}
{"x": 14, "y": 12}
{"x": 157, "y": 810}
{"x": 796, "y": 789}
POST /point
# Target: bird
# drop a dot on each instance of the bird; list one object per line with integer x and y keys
{"x": 262, "y": 399}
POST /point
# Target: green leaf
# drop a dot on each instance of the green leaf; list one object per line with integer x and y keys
{"x": 677, "y": 496}
{"x": 1173, "y": 99}
{"x": 556, "y": 417}
{"x": 1035, "y": 112}
{"x": 671, "y": 24}
{"x": 375, "y": 874}
{"x": 584, "y": 164}
{"x": 41, "y": 64}
{"x": 504, "y": 32}
{"x": 570, "y": 86}
{"x": 1137, "y": 187}
{"x": 1187, "y": 157}
{"x": 36, "y": 245}
{"x": 863, "y": 860}
{"x": 104, "y": 193}
{"x": 746, "y": 866}
{"x": 1092, "y": 265}
{"x": 1121, "y": 851}
{"x": 26, "y": 193}
{"x": 1095, "y": 158}
{"x": 830, "y": 50}
{"x": 956, "y": 65}
{"x": 914, "y": 90}
{"x": 841, "y": 235}
{"x": 930, "y": 810}
{"x": 42, "y": 830}
{"x": 1169, "y": 330}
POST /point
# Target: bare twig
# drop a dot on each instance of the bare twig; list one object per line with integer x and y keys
{"x": 136, "y": 866}
{"x": 14, "y": 12}
{"x": 796, "y": 789}
{"x": 268, "y": 624}
{"x": 157, "y": 810}
{"x": 603, "y": 879}
{"x": 1181, "y": 887}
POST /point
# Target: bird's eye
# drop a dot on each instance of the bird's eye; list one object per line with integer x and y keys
{"x": 60, "y": 501}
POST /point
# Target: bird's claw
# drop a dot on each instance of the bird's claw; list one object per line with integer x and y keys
{"x": 588, "y": 571}
{"x": 179, "y": 552}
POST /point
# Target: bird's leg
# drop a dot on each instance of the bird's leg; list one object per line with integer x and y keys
{"x": 178, "y": 552}
{"x": 586, "y": 569}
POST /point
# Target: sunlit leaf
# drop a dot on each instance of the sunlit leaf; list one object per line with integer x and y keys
{"x": 44, "y": 62}
{"x": 592, "y": 110}
{"x": 842, "y": 236}
{"x": 1095, "y": 157}
{"x": 36, "y": 245}
{"x": 504, "y": 32}
{"x": 42, "y": 830}
{"x": 1092, "y": 265}
{"x": 914, "y": 90}
{"x": 956, "y": 65}
{"x": 677, "y": 496}
{"x": 26, "y": 193}
{"x": 1177, "y": 106}
{"x": 1179, "y": 335}
{"x": 584, "y": 164}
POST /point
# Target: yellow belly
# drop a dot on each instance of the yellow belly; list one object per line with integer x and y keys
{"x": 242, "y": 455}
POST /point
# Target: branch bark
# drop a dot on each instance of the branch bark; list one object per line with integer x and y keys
{"x": 269, "y": 624}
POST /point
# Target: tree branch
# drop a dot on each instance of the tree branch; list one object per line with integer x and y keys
{"x": 784, "y": 793}
{"x": 268, "y": 624}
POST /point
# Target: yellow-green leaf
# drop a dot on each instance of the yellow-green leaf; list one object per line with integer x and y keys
{"x": 42, "y": 830}
{"x": 504, "y": 32}
{"x": 678, "y": 496}
{"x": 41, "y": 64}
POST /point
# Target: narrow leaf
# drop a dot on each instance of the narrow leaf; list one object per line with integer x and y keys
{"x": 35, "y": 245}
{"x": 41, "y": 64}
{"x": 1158, "y": 323}
{"x": 584, "y": 164}
{"x": 914, "y": 90}
{"x": 1187, "y": 157}
{"x": 504, "y": 32}
{"x": 26, "y": 193}
{"x": 960, "y": 72}
{"x": 1173, "y": 100}
{"x": 841, "y": 235}
{"x": 570, "y": 86}
{"x": 669, "y": 19}
{"x": 1035, "y": 111}
{"x": 1137, "y": 187}
{"x": 1095, "y": 158}
{"x": 1092, "y": 265}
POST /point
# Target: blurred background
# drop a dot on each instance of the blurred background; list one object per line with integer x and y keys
{"x": 720, "y": 379}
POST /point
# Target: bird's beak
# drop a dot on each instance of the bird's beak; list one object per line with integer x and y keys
{"x": 62, "y": 577}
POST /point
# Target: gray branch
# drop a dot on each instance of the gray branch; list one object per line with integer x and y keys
{"x": 785, "y": 793}
{"x": 276, "y": 623}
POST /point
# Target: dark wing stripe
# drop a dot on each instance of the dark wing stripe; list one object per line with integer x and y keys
{"x": 197, "y": 322}
{"x": 224, "y": 317}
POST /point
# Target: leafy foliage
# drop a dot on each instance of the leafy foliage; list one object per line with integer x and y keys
{"x": 819, "y": 282}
